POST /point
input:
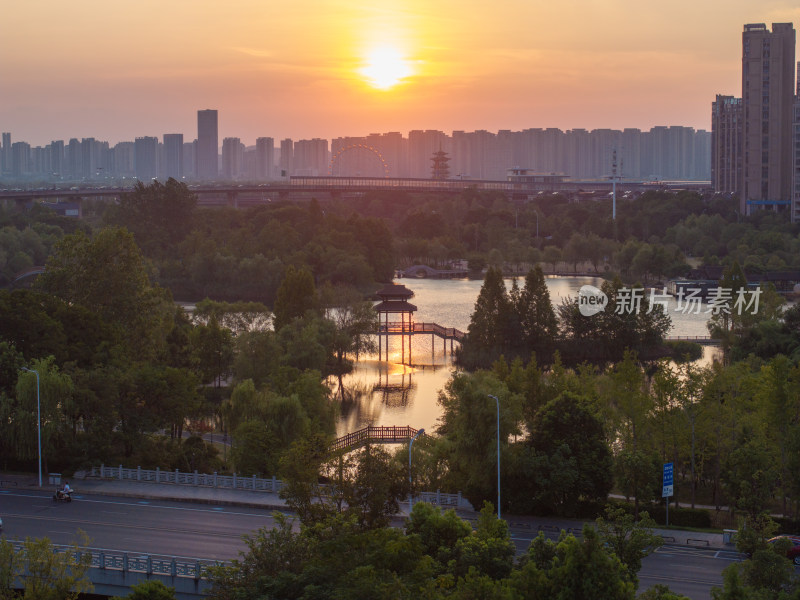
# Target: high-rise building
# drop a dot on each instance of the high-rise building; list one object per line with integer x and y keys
{"x": 173, "y": 155}
{"x": 726, "y": 144}
{"x": 265, "y": 157}
{"x": 232, "y": 158}
{"x": 145, "y": 149}
{"x": 768, "y": 64}
{"x": 20, "y": 159}
{"x": 311, "y": 157}
{"x": 189, "y": 159}
{"x": 88, "y": 158}
{"x": 287, "y": 157}
{"x": 5, "y": 154}
{"x": 207, "y": 145}
{"x": 796, "y": 153}
{"x": 73, "y": 157}
{"x": 124, "y": 163}
{"x": 701, "y": 164}
{"x": 57, "y": 165}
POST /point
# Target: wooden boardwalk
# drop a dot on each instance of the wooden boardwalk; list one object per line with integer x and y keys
{"x": 399, "y": 328}
{"x": 390, "y": 434}
{"x": 703, "y": 340}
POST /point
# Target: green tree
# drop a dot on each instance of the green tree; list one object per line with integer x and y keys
{"x": 51, "y": 575}
{"x": 152, "y": 589}
{"x": 724, "y": 323}
{"x": 749, "y": 474}
{"x": 355, "y": 323}
{"x": 767, "y": 573}
{"x": 488, "y": 551}
{"x": 300, "y": 469}
{"x": 273, "y": 562}
{"x": 439, "y": 531}
{"x": 18, "y": 416}
{"x": 490, "y": 328}
{"x": 12, "y": 565}
{"x": 160, "y": 215}
{"x": 552, "y": 256}
{"x": 777, "y": 392}
{"x": 239, "y": 317}
{"x": 256, "y": 356}
{"x": 536, "y": 317}
{"x": 576, "y": 250}
{"x": 296, "y": 295}
{"x": 107, "y": 274}
{"x": 254, "y": 450}
{"x": 633, "y": 404}
{"x": 212, "y": 351}
{"x": 376, "y": 485}
{"x": 576, "y": 465}
{"x": 629, "y": 539}
{"x": 661, "y": 592}
{"x": 468, "y": 423}
{"x": 572, "y": 569}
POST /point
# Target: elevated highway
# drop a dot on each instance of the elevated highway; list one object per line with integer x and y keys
{"x": 299, "y": 187}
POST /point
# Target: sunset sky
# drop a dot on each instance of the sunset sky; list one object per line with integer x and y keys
{"x": 326, "y": 68}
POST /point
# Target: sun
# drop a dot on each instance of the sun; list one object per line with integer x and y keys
{"x": 385, "y": 68}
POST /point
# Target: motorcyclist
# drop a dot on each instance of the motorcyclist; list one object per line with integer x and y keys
{"x": 65, "y": 491}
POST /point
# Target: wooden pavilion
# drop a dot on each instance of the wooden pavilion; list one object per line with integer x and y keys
{"x": 394, "y": 301}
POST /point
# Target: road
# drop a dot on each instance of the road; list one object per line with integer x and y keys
{"x": 686, "y": 570}
{"x": 215, "y": 532}
{"x": 147, "y": 526}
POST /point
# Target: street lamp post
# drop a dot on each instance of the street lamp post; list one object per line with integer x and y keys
{"x": 498, "y": 453}
{"x": 410, "y": 491}
{"x": 38, "y": 421}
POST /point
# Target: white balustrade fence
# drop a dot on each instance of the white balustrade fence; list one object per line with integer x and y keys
{"x": 136, "y": 562}
{"x": 237, "y": 482}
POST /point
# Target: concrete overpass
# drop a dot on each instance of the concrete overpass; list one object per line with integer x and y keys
{"x": 231, "y": 194}
{"x": 112, "y": 572}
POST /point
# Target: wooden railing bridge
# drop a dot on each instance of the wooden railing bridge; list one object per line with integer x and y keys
{"x": 703, "y": 340}
{"x": 390, "y": 434}
{"x": 400, "y": 328}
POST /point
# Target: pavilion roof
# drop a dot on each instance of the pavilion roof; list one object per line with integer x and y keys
{"x": 393, "y": 291}
{"x": 395, "y": 306}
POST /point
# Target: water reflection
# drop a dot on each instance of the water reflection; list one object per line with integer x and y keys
{"x": 391, "y": 393}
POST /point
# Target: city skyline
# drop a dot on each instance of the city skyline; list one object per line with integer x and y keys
{"x": 331, "y": 69}
{"x": 671, "y": 153}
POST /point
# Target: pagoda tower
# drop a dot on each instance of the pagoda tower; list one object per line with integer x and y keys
{"x": 440, "y": 168}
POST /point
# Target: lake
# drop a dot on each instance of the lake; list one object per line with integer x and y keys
{"x": 390, "y": 393}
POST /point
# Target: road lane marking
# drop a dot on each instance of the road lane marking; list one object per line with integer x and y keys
{"x": 269, "y": 511}
{"x": 679, "y": 579}
{"x": 730, "y": 555}
{"x": 136, "y": 526}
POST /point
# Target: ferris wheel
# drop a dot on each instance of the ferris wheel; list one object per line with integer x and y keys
{"x": 358, "y": 160}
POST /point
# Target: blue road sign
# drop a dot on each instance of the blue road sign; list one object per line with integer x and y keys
{"x": 666, "y": 485}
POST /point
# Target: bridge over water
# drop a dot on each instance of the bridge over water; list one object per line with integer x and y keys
{"x": 389, "y": 434}
{"x": 703, "y": 340}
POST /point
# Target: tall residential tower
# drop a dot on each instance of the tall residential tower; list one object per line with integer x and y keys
{"x": 768, "y": 65}
{"x": 207, "y": 145}
{"x": 726, "y": 144}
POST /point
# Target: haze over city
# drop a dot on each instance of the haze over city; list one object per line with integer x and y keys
{"x": 327, "y": 69}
